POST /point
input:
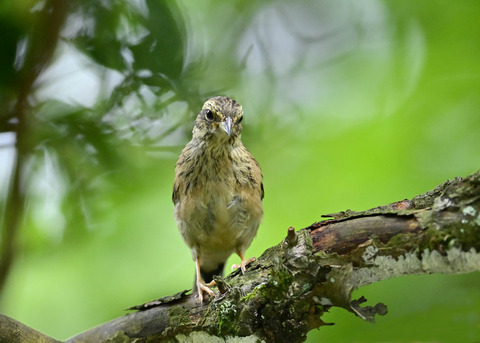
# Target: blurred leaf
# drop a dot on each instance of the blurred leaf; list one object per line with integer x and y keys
{"x": 162, "y": 50}
{"x": 98, "y": 35}
{"x": 15, "y": 21}
{"x": 12, "y": 33}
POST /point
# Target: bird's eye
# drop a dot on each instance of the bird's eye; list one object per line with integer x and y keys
{"x": 209, "y": 115}
{"x": 240, "y": 119}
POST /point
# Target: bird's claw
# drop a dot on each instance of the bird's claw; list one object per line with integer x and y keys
{"x": 204, "y": 287}
{"x": 243, "y": 264}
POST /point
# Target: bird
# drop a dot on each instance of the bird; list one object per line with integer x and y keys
{"x": 217, "y": 192}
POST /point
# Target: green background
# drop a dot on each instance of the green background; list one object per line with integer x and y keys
{"x": 348, "y": 105}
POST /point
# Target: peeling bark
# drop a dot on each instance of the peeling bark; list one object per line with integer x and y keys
{"x": 286, "y": 291}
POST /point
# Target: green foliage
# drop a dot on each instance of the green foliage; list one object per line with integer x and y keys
{"x": 347, "y": 105}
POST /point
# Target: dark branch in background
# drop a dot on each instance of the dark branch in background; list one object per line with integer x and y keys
{"x": 41, "y": 46}
{"x": 286, "y": 291}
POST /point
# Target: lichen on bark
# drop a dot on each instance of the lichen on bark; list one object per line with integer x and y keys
{"x": 285, "y": 293}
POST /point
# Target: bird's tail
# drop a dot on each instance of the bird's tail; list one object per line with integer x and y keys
{"x": 208, "y": 276}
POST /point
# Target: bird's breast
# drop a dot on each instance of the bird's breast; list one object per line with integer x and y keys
{"x": 217, "y": 210}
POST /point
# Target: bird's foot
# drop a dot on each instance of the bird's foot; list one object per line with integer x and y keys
{"x": 204, "y": 287}
{"x": 243, "y": 264}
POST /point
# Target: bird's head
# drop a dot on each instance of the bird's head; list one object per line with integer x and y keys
{"x": 219, "y": 119}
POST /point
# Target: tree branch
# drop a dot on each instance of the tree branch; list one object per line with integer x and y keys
{"x": 42, "y": 44}
{"x": 286, "y": 291}
{"x": 12, "y": 331}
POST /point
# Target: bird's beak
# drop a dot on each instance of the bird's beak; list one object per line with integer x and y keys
{"x": 227, "y": 125}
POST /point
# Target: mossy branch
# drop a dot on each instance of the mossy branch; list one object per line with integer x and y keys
{"x": 285, "y": 293}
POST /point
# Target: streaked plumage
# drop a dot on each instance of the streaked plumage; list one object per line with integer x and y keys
{"x": 217, "y": 191}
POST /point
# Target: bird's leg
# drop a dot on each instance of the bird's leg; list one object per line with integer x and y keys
{"x": 201, "y": 285}
{"x": 244, "y": 262}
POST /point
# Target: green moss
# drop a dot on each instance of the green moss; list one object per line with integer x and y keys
{"x": 119, "y": 337}
{"x": 178, "y": 316}
{"x": 253, "y": 293}
{"x": 280, "y": 280}
{"x": 226, "y": 314}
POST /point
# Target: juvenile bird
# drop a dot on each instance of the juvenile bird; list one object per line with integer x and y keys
{"x": 217, "y": 192}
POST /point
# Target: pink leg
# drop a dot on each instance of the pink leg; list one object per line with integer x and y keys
{"x": 244, "y": 262}
{"x": 201, "y": 285}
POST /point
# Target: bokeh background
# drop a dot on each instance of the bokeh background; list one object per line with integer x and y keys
{"x": 348, "y": 104}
